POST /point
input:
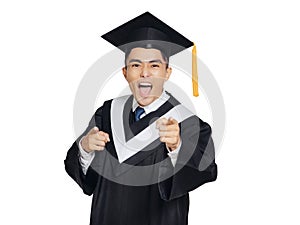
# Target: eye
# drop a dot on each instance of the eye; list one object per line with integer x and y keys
{"x": 155, "y": 65}
{"x": 135, "y": 65}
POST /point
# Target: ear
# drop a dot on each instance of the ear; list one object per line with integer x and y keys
{"x": 124, "y": 70}
{"x": 168, "y": 73}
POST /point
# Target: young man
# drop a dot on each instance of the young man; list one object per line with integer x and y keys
{"x": 142, "y": 154}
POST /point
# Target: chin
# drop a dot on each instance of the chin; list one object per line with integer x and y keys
{"x": 145, "y": 101}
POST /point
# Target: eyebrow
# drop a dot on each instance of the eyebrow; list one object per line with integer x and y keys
{"x": 155, "y": 61}
{"x": 135, "y": 60}
{"x": 151, "y": 61}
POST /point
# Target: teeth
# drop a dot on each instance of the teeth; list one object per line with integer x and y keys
{"x": 145, "y": 85}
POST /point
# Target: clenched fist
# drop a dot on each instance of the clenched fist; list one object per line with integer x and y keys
{"x": 95, "y": 140}
{"x": 169, "y": 132}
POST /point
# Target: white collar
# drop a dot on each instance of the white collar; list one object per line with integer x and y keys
{"x": 154, "y": 105}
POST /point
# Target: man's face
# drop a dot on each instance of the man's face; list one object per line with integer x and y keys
{"x": 146, "y": 73}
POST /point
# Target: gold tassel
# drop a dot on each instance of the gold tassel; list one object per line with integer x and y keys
{"x": 194, "y": 72}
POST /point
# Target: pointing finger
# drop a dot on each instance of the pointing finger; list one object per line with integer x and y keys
{"x": 161, "y": 121}
{"x": 172, "y": 121}
{"x": 172, "y": 127}
{"x": 104, "y": 136}
{"x": 94, "y": 130}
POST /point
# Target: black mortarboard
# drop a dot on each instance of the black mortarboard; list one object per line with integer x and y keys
{"x": 148, "y": 31}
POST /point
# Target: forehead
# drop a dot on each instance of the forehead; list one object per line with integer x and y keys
{"x": 145, "y": 54}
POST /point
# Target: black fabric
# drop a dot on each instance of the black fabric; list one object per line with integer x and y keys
{"x": 147, "y": 31}
{"x": 163, "y": 203}
{"x": 133, "y": 127}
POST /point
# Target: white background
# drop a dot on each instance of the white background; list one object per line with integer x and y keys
{"x": 251, "y": 47}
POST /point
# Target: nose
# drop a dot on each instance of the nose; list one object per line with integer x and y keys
{"x": 145, "y": 71}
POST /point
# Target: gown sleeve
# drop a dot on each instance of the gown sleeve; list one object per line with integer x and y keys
{"x": 195, "y": 164}
{"x": 72, "y": 164}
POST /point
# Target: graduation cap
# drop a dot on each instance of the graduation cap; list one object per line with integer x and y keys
{"x": 148, "y": 31}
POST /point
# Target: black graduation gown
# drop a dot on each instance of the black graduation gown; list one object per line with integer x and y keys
{"x": 165, "y": 202}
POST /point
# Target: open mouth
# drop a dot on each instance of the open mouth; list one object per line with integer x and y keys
{"x": 144, "y": 89}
